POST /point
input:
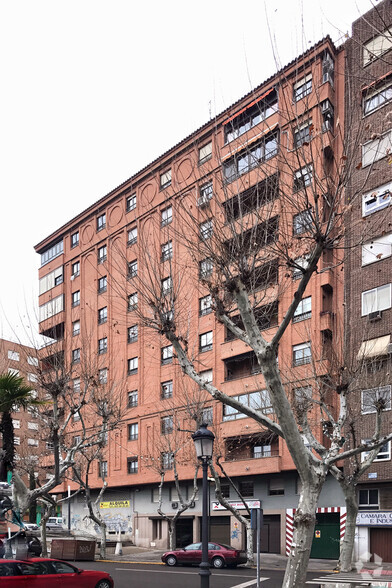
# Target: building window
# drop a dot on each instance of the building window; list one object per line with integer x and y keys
{"x": 74, "y": 239}
{"x": 102, "y": 285}
{"x": 102, "y": 315}
{"x": 376, "y": 300}
{"x": 132, "y": 301}
{"x": 13, "y": 372}
{"x": 368, "y": 499}
{"x": 32, "y": 360}
{"x": 166, "y": 425}
{"x": 246, "y": 488}
{"x": 383, "y": 455}
{"x": 377, "y": 199}
{"x": 75, "y": 298}
{"x": 167, "y": 354}
{"x": 327, "y": 115}
{"x": 75, "y": 269}
{"x": 131, "y": 202}
{"x": 205, "y": 305}
{"x": 225, "y": 489}
{"x": 102, "y": 254}
{"x": 206, "y": 376}
{"x": 302, "y": 354}
{"x": 155, "y": 494}
{"x": 301, "y": 264}
{"x": 103, "y": 469}
{"x": 132, "y": 465}
{"x": 132, "y": 269}
{"x": 166, "y": 286}
{"x": 205, "y": 268}
{"x": 259, "y": 400}
{"x": 207, "y": 415}
{"x": 52, "y": 252}
{"x": 375, "y": 399}
{"x": 276, "y": 487}
{"x": 303, "y": 178}
{"x": 75, "y": 328}
{"x": 166, "y": 216}
{"x": 304, "y": 310}
{"x": 76, "y": 385}
{"x": 76, "y": 416}
{"x": 328, "y": 68}
{"x": 103, "y": 376}
{"x": 16, "y": 423}
{"x": 51, "y": 280}
{"x": 302, "y": 222}
{"x": 250, "y": 158}
{"x": 302, "y": 396}
{"x": 101, "y": 222}
{"x": 206, "y": 230}
{"x": 165, "y": 179}
{"x": 102, "y": 345}
{"x": 167, "y": 460}
{"x": 132, "y": 334}
{"x": 132, "y": 236}
{"x": 14, "y": 355}
{"x": 205, "y": 153}
{"x": 166, "y": 251}
{"x": 132, "y": 399}
{"x": 32, "y": 377}
{"x": 378, "y": 97}
{"x": 261, "y": 451}
{"x": 251, "y": 116}
{"x": 302, "y": 134}
{"x": 75, "y": 355}
{"x": 376, "y": 47}
{"x": 133, "y": 432}
{"x": 205, "y": 194}
{"x": 377, "y": 249}
{"x": 377, "y": 149}
{"x": 205, "y": 341}
{"x": 133, "y": 365}
{"x": 167, "y": 389}
{"x": 302, "y": 88}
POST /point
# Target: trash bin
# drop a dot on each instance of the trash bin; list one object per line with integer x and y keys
{"x": 85, "y": 550}
{"x": 73, "y": 549}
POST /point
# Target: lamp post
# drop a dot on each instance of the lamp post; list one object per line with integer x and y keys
{"x": 204, "y": 442}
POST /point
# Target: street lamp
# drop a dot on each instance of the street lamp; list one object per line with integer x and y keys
{"x": 204, "y": 442}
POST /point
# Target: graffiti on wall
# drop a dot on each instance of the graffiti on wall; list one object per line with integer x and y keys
{"x": 115, "y": 522}
{"x": 236, "y": 531}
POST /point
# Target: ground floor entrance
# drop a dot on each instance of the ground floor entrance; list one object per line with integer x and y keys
{"x": 381, "y": 544}
{"x": 184, "y": 531}
{"x": 326, "y": 538}
{"x": 220, "y": 530}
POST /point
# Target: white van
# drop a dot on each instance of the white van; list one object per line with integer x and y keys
{"x": 55, "y": 523}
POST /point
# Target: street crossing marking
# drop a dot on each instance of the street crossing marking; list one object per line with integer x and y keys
{"x": 196, "y": 571}
{"x": 244, "y": 584}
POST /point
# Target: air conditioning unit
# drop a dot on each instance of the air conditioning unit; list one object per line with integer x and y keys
{"x": 192, "y": 504}
{"x": 203, "y": 201}
{"x": 375, "y": 316}
{"x": 174, "y": 505}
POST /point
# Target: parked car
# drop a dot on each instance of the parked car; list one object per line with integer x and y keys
{"x": 24, "y": 540}
{"x": 54, "y": 523}
{"x": 31, "y": 526}
{"x": 219, "y": 555}
{"x": 47, "y": 573}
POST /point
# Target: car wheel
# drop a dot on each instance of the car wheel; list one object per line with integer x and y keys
{"x": 103, "y": 584}
{"x": 218, "y": 562}
{"x": 171, "y": 560}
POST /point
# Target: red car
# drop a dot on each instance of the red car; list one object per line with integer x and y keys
{"x": 219, "y": 555}
{"x": 49, "y": 573}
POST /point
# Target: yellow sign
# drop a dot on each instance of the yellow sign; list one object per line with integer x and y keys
{"x": 115, "y": 504}
{"x": 318, "y": 534}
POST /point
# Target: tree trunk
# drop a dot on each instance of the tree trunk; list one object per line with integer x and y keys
{"x": 102, "y": 550}
{"x": 249, "y": 545}
{"x": 172, "y": 535}
{"x": 304, "y": 522}
{"x": 44, "y": 519}
{"x": 347, "y": 545}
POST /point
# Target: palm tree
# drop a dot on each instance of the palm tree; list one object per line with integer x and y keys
{"x": 14, "y": 393}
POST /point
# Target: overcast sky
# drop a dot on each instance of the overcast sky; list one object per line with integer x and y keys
{"x": 92, "y": 91}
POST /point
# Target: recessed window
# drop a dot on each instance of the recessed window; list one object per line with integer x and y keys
{"x": 102, "y": 284}
{"x": 133, "y": 365}
{"x": 276, "y": 487}
{"x": 132, "y": 398}
{"x": 76, "y": 385}
{"x": 207, "y": 415}
{"x": 13, "y": 372}
{"x": 377, "y": 149}
{"x": 206, "y": 230}
{"x": 75, "y": 269}
{"x": 377, "y": 299}
{"x": 132, "y": 465}
{"x": 383, "y": 455}
{"x": 302, "y": 222}
{"x": 166, "y": 425}
{"x": 302, "y": 354}
{"x": 132, "y": 301}
{"x": 252, "y": 157}
{"x": 377, "y": 199}
{"x": 102, "y": 315}
{"x": 205, "y": 268}
{"x": 102, "y": 254}
{"x": 14, "y": 355}
{"x": 327, "y": 115}
{"x": 166, "y": 286}
{"x": 103, "y": 469}
{"x": 132, "y": 334}
{"x": 166, "y": 251}
{"x": 165, "y": 179}
{"x": 377, "y": 249}
{"x": 378, "y": 97}
{"x": 375, "y": 399}
{"x": 32, "y": 360}
{"x": 51, "y": 280}
{"x": 102, "y": 345}
{"x": 167, "y": 460}
{"x": 302, "y": 178}
{"x": 303, "y": 396}
{"x": 206, "y": 376}
{"x": 103, "y": 376}
{"x": 75, "y": 356}
{"x": 205, "y": 194}
{"x": 205, "y": 305}
{"x": 246, "y": 488}
{"x": 259, "y": 400}
{"x": 131, "y": 202}
{"x": 368, "y": 499}
{"x": 75, "y": 298}
{"x": 205, "y": 341}
{"x": 167, "y": 354}
{"x": 74, "y": 239}
{"x": 251, "y": 116}
{"x": 101, "y": 222}
{"x": 303, "y": 134}
{"x": 75, "y": 328}
{"x": 376, "y": 47}
{"x": 166, "y": 216}
{"x": 132, "y": 236}
{"x": 301, "y": 263}
{"x": 328, "y": 67}
{"x": 205, "y": 153}
{"x": 52, "y": 252}
{"x": 133, "y": 431}
{"x": 304, "y": 310}
{"x": 302, "y": 88}
{"x": 167, "y": 389}
{"x": 132, "y": 269}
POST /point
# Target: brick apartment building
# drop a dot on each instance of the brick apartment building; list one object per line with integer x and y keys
{"x": 368, "y": 269}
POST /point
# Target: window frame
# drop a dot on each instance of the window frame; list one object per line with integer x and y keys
{"x": 303, "y": 221}
{"x": 102, "y": 345}
{"x": 167, "y": 354}
{"x": 167, "y": 250}
{"x": 377, "y": 391}
{"x": 383, "y": 454}
{"x": 377, "y": 306}
{"x": 132, "y": 269}
{"x": 101, "y": 222}
{"x": 368, "y": 505}
{"x": 131, "y": 403}
{"x": 102, "y": 254}
{"x": 165, "y": 394}
{"x": 377, "y": 94}
{"x": 130, "y": 202}
{"x": 75, "y": 269}
{"x": 205, "y": 341}
{"x": 379, "y": 198}
{"x": 132, "y": 465}
{"x": 74, "y": 239}
{"x": 208, "y": 156}
{"x": 102, "y": 315}
{"x": 133, "y": 361}
{"x": 132, "y": 336}
{"x": 205, "y": 307}
{"x": 76, "y": 331}
{"x": 132, "y": 236}
{"x": 166, "y": 216}
{"x": 75, "y": 298}
{"x": 303, "y": 87}
{"x": 165, "y": 179}
{"x": 134, "y": 305}
{"x": 303, "y": 313}
{"x": 302, "y": 358}
{"x": 133, "y": 431}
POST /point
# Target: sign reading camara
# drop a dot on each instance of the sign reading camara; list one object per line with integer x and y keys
{"x": 375, "y": 519}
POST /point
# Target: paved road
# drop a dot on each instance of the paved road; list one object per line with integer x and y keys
{"x": 132, "y": 575}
